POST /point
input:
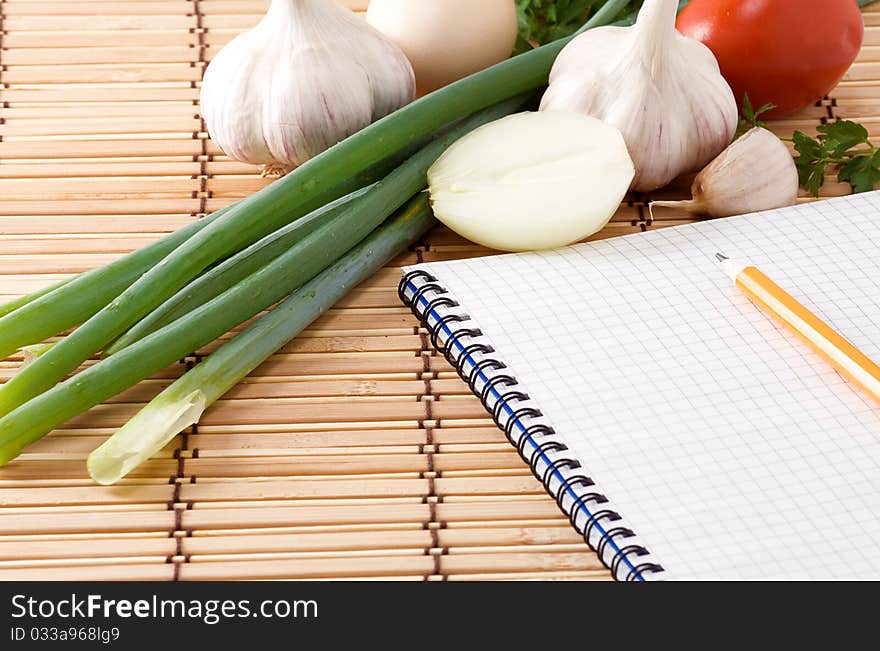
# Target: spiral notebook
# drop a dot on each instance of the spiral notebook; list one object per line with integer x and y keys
{"x": 685, "y": 433}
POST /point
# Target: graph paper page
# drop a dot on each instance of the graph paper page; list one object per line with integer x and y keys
{"x": 730, "y": 447}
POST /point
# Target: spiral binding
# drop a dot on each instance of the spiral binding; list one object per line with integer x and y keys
{"x": 452, "y": 334}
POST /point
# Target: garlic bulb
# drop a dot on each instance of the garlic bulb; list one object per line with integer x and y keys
{"x": 664, "y": 92}
{"x": 310, "y": 74}
{"x": 755, "y": 173}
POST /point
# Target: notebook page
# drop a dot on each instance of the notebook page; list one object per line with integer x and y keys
{"x": 730, "y": 447}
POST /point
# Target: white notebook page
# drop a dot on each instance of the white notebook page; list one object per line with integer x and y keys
{"x": 729, "y": 446}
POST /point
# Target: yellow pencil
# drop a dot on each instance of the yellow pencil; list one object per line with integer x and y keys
{"x": 846, "y": 358}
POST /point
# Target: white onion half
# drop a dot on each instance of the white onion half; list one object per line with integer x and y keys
{"x": 532, "y": 180}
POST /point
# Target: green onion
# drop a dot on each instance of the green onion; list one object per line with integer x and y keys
{"x": 67, "y": 304}
{"x": 83, "y": 297}
{"x": 232, "y": 270}
{"x": 182, "y": 403}
{"x": 304, "y": 260}
{"x": 12, "y": 306}
{"x": 282, "y": 202}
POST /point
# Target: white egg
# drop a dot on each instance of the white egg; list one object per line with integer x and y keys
{"x": 446, "y": 40}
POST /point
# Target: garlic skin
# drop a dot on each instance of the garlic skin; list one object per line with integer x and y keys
{"x": 757, "y": 172}
{"x": 310, "y": 74}
{"x": 664, "y": 91}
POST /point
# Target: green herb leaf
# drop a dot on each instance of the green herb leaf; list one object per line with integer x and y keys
{"x": 748, "y": 112}
{"x": 842, "y": 135}
{"x": 813, "y": 177}
{"x": 843, "y": 145}
{"x": 543, "y": 21}
{"x": 806, "y": 146}
{"x": 811, "y": 162}
{"x": 861, "y": 172}
{"x": 749, "y": 117}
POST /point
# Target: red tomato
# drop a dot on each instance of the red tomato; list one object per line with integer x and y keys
{"x": 790, "y": 53}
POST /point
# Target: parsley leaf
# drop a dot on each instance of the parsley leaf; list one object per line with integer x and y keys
{"x": 750, "y": 118}
{"x": 843, "y": 135}
{"x": 543, "y": 21}
{"x": 861, "y": 172}
{"x": 843, "y": 146}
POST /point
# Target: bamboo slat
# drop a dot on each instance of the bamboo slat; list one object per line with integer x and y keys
{"x": 355, "y": 452}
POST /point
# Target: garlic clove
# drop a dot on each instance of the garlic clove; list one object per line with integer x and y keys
{"x": 309, "y": 75}
{"x": 664, "y": 92}
{"x": 755, "y": 173}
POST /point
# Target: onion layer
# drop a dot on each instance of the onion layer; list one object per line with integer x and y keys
{"x": 532, "y": 180}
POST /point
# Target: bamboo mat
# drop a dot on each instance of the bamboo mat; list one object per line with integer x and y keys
{"x": 355, "y": 452}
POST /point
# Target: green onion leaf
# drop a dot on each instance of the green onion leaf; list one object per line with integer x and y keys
{"x": 182, "y": 403}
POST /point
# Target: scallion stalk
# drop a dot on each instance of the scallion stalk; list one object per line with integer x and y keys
{"x": 65, "y": 305}
{"x": 13, "y": 305}
{"x": 316, "y": 251}
{"x": 232, "y": 270}
{"x": 107, "y": 297}
{"x": 182, "y": 403}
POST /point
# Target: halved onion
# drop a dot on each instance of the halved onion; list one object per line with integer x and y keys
{"x": 532, "y": 180}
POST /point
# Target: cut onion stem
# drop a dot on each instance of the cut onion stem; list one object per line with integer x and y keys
{"x": 182, "y": 403}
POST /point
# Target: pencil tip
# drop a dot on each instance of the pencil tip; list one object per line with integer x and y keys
{"x": 721, "y": 257}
